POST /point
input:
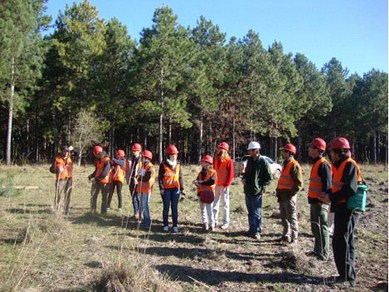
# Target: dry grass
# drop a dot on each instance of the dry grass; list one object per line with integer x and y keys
{"x": 84, "y": 252}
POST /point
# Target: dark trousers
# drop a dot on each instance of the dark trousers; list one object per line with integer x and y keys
{"x": 118, "y": 185}
{"x": 343, "y": 244}
{"x": 319, "y": 227}
{"x": 134, "y": 197}
{"x": 104, "y": 196}
{"x": 170, "y": 198}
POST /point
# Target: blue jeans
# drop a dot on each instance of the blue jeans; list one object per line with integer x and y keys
{"x": 170, "y": 198}
{"x": 254, "y": 208}
{"x": 136, "y": 203}
{"x": 145, "y": 211}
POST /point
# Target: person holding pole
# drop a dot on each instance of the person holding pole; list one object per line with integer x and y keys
{"x": 132, "y": 168}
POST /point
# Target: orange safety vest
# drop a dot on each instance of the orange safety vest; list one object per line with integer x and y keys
{"x": 337, "y": 174}
{"x": 145, "y": 187}
{"x": 118, "y": 173}
{"x": 285, "y": 182}
{"x": 209, "y": 175}
{"x": 170, "y": 178}
{"x": 315, "y": 184}
{"x": 67, "y": 171}
{"x": 222, "y": 173}
{"x": 100, "y": 165}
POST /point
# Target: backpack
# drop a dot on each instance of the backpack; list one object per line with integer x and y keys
{"x": 52, "y": 168}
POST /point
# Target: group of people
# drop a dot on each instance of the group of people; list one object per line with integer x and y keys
{"x": 330, "y": 186}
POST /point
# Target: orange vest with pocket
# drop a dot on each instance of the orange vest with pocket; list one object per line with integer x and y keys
{"x": 100, "y": 165}
{"x": 145, "y": 187}
{"x": 170, "y": 178}
{"x": 337, "y": 174}
{"x": 67, "y": 170}
{"x": 315, "y": 184}
{"x": 285, "y": 182}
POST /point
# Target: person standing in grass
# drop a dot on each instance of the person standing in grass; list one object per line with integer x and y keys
{"x": 101, "y": 179}
{"x": 205, "y": 183}
{"x": 170, "y": 186}
{"x": 289, "y": 184}
{"x": 346, "y": 176}
{"x": 257, "y": 175}
{"x": 63, "y": 165}
{"x": 118, "y": 177}
{"x": 320, "y": 181}
{"x": 224, "y": 167}
{"x": 134, "y": 163}
{"x": 144, "y": 186}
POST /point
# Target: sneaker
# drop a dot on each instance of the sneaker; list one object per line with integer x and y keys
{"x": 175, "y": 229}
{"x": 213, "y": 228}
{"x": 257, "y": 236}
{"x": 206, "y": 226}
{"x": 120, "y": 210}
{"x": 224, "y": 226}
{"x": 165, "y": 228}
{"x": 108, "y": 208}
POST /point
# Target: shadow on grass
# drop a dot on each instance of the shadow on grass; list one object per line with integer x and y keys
{"x": 29, "y": 211}
{"x": 214, "y": 277}
{"x": 98, "y": 219}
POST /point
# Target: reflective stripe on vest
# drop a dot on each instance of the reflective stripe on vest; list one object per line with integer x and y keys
{"x": 222, "y": 173}
{"x": 285, "y": 182}
{"x": 170, "y": 177}
{"x": 210, "y": 174}
{"x": 315, "y": 183}
{"x": 337, "y": 174}
{"x": 67, "y": 171}
{"x": 118, "y": 173}
{"x": 145, "y": 187}
{"x": 100, "y": 165}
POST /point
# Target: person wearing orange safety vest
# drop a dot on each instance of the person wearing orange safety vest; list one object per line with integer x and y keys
{"x": 144, "y": 186}
{"x": 170, "y": 185}
{"x": 133, "y": 164}
{"x": 118, "y": 172}
{"x": 224, "y": 167}
{"x": 101, "y": 179}
{"x": 205, "y": 183}
{"x": 346, "y": 175}
{"x": 289, "y": 184}
{"x": 320, "y": 181}
{"x": 64, "y": 180}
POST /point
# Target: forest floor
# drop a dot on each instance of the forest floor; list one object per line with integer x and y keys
{"x": 41, "y": 251}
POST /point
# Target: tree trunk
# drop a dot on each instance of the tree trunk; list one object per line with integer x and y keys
{"x": 10, "y": 113}
{"x": 160, "y": 137}
{"x": 200, "y": 142}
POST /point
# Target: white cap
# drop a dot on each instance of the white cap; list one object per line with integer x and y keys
{"x": 254, "y": 145}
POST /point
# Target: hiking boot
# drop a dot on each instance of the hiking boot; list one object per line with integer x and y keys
{"x": 165, "y": 228}
{"x": 224, "y": 226}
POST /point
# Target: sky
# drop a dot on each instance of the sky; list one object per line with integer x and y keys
{"x": 355, "y": 32}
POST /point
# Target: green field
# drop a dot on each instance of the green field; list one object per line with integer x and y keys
{"x": 41, "y": 251}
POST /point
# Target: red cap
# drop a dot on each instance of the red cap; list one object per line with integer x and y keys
{"x": 147, "y": 154}
{"x": 171, "y": 149}
{"x": 340, "y": 143}
{"x": 120, "y": 153}
{"x": 136, "y": 147}
{"x": 291, "y": 148}
{"x": 208, "y": 158}
{"x": 97, "y": 150}
{"x": 224, "y": 145}
{"x": 319, "y": 143}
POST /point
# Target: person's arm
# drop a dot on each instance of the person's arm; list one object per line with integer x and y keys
{"x": 324, "y": 172}
{"x": 230, "y": 171}
{"x": 160, "y": 177}
{"x": 119, "y": 162}
{"x": 265, "y": 173}
{"x": 297, "y": 177}
{"x": 180, "y": 180}
{"x": 106, "y": 170}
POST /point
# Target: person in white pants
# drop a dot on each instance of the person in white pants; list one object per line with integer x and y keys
{"x": 224, "y": 167}
{"x": 205, "y": 183}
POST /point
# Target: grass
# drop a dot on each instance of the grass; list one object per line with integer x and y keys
{"x": 82, "y": 252}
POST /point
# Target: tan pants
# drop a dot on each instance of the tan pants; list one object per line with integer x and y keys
{"x": 63, "y": 192}
{"x": 288, "y": 210}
